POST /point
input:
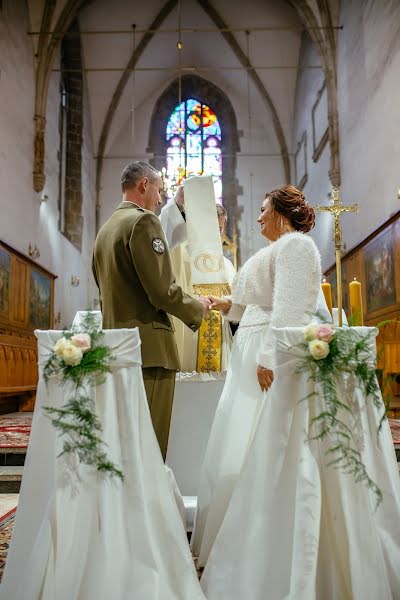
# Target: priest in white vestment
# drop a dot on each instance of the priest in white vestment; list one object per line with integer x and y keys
{"x": 173, "y": 221}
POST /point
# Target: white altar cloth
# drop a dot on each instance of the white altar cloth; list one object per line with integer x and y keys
{"x": 79, "y": 535}
{"x": 195, "y": 402}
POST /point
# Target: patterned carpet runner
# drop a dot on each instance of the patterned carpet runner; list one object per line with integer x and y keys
{"x": 6, "y": 527}
{"x": 15, "y": 430}
{"x": 395, "y": 428}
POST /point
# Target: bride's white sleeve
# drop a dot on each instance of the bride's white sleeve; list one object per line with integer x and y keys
{"x": 235, "y": 313}
{"x": 296, "y": 289}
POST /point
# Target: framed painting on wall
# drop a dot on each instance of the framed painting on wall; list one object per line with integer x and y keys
{"x": 40, "y": 300}
{"x": 380, "y": 271}
{"x": 4, "y": 281}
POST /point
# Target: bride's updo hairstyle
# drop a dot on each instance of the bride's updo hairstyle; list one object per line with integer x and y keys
{"x": 289, "y": 202}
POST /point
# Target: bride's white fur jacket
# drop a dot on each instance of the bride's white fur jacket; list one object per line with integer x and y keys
{"x": 284, "y": 279}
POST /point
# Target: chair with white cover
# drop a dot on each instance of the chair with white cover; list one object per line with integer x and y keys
{"x": 80, "y": 535}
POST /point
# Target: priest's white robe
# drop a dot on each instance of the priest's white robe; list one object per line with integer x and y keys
{"x": 174, "y": 227}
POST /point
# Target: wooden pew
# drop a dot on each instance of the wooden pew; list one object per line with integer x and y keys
{"x": 18, "y": 372}
{"x": 388, "y": 349}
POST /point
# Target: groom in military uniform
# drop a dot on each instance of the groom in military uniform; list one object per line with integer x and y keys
{"x": 132, "y": 269}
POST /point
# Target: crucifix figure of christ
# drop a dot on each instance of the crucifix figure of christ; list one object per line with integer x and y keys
{"x": 336, "y": 209}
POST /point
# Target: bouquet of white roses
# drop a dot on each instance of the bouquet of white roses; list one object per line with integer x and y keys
{"x": 331, "y": 355}
{"x": 318, "y": 337}
{"x": 80, "y": 358}
{"x": 71, "y": 350}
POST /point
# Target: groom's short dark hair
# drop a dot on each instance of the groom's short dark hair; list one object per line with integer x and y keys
{"x": 134, "y": 172}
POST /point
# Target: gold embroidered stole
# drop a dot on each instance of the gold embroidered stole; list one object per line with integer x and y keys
{"x": 208, "y": 276}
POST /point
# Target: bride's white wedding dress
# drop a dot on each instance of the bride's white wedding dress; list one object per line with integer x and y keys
{"x": 296, "y": 527}
{"x": 278, "y": 286}
{"x": 275, "y": 522}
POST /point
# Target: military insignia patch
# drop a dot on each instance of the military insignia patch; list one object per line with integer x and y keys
{"x": 158, "y": 246}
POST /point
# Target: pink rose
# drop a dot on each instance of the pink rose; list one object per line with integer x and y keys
{"x": 324, "y": 332}
{"x": 82, "y": 341}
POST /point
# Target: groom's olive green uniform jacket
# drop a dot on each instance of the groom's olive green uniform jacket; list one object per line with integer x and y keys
{"x": 132, "y": 268}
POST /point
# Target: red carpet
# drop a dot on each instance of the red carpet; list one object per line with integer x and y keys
{"x": 6, "y": 528}
{"x": 15, "y": 430}
{"x": 395, "y": 428}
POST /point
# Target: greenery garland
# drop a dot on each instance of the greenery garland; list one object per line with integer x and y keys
{"x": 80, "y": 358}
{"x": 329, "y": 352}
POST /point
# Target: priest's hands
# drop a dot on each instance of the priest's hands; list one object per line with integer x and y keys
{"x": 265, "y": 377}
{"x": 179, "y": 197}
{"x": 222, "y": 304}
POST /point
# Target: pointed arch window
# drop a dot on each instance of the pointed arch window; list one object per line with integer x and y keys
{"x": 193, "y": 137}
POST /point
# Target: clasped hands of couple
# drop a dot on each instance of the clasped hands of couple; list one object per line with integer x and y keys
{"x": 265, "y": 375}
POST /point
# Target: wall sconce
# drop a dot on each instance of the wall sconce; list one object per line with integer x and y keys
{"x": 398, "y": 193}
{"x": 33, "y": 251}
{"x": 44, "y": 198}
{"x": 75, "y": 281}
{"x": 57, "y": 318}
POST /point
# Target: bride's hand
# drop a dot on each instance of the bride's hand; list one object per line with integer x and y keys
{"x": 222, "y": 304}
{"x": 265, "y": 377}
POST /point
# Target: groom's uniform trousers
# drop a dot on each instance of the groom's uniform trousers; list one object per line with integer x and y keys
{"x": 132, "y": 268}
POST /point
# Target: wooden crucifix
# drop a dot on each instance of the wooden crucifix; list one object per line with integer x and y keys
{"x": 336, "y": 209}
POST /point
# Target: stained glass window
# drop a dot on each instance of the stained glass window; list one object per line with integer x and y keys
{"x": 194, "y": 145}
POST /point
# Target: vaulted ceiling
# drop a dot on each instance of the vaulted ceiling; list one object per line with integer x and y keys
{"x": 258, "y": 69}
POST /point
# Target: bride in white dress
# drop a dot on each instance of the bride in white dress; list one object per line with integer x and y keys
{"x": 278, "y": 286}
{"x": 296, "y": 528}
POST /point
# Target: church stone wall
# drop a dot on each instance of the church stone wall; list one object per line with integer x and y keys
{"x": 310, "y": 121}
{"x": 24, "y": 219}
{"x": 368, "y": 60}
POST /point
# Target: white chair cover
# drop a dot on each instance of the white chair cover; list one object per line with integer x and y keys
{"x": 296, "y": 528}
{"x": 79, "y": 318}
{"x": 80, "y": 535}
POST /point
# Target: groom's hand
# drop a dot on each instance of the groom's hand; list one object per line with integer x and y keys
{"x": 265, "y": 377}
{"x": 206, "y": 304}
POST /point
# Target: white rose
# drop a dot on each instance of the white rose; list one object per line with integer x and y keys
{"x": 72, "y": 355}
{"x": 60, "y": 345}
{"x": 318, "y": 349}
{"x": 310, "y": 332}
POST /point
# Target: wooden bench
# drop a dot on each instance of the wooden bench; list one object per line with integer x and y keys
{"x": 18, "y": 372}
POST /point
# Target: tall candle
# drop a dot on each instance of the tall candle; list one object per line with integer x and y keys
{"x": 327, "y": 289}
{"x": 356, "y": 308}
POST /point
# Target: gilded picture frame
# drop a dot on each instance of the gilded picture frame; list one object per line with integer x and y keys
{"x": 380, "y": 273}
